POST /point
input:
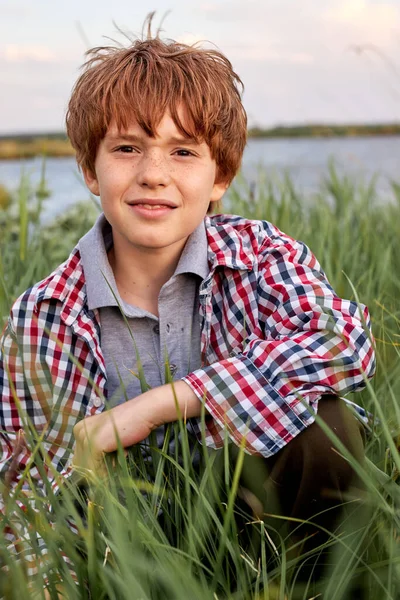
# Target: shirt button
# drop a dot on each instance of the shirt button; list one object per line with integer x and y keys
{"x": 173, "y": 368}
{"x": 156, "y": 329}
{"x": 97, "y": 402}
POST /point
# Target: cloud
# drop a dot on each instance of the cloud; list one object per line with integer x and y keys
{"x": 352, "y": 11}
{"x": 191, "y": 38}
{"x": 374, "y": 22}
{"x": 261, "y": 13}
{"x": 301, "y": 58}
{"x": 15, "y": 11}
{"x": 317, "y": 36}
{"x": 270, "y": 54}
{"x": 263, "y": 50}
{"x": 337, "y": 21}
{"x": 293, "y": 56}
{"x": 18, "y": 53}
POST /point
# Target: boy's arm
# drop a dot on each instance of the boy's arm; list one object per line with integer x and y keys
{"x": 132, "y": 422}
{"x": 16, "y": 409}
{"x": 309, "y": 343}
{"x": 25, "y": 412}
{"x": 314, "y": 343}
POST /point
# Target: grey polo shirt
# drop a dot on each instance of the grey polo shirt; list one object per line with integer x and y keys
{"x": 135, "y": 333}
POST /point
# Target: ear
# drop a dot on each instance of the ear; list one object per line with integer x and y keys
{"x": 218, "y": 190}
{"x": 91, "y": 181}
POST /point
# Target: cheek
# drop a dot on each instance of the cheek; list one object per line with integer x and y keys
{"x": 111, "y": 183}
{"x": 200, "y": 185}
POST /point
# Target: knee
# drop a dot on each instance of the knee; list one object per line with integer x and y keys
{"x": 329, "y": 449}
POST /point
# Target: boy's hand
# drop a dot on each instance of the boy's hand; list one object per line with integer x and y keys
{"x": 97, "y": 435}
{"x": 131, "y": 422}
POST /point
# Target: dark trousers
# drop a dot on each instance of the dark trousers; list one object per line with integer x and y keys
{"x": 308, "y": 480}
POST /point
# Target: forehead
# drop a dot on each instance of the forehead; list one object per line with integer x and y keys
{"x": 151, "y": 126}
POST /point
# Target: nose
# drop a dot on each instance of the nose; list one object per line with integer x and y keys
{"x": 153, "y": 171}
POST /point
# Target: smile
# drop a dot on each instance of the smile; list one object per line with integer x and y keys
{"x": 147, "y": 210}
{"x": 153, "y": 206}
{"x": 152, "y": 203}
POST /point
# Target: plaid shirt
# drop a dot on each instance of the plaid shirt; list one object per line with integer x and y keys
{"x": 274, "y": 338}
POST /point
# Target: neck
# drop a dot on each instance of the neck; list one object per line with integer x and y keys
{"x": 140, "y": 273}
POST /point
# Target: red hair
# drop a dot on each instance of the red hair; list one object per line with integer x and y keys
{"x": 145, "y": 80}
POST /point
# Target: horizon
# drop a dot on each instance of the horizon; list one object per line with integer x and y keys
{"x": 294, "y": 125}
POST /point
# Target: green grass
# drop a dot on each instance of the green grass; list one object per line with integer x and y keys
{"x": 124, "y": 549}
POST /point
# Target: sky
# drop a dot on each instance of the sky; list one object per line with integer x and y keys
{"x": 301, "y": 61}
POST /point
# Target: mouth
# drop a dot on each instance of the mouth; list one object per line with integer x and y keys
{"x": 152, "y": 204}
{"x": 152, "y": 209}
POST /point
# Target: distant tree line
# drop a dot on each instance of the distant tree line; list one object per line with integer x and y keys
{"x": 325, "y": 130}
{"x": 56, "y": 144}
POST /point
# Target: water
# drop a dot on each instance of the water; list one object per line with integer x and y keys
{"x": 63, "y": 180}
{"x": 305, "y": 160}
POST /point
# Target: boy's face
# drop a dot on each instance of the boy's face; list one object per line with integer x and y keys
{"x": 154, "y": 191}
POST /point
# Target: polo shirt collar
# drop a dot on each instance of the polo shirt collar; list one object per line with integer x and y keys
{"x": 194, "y": 256}
{"x": 99, "y": 277}
{"x": 101, "y": 288}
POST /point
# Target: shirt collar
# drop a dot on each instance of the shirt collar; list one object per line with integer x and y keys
{"x": 68, "y": 284}
{"x": 194, "y": 256}
{"x": 101, "y": 288}
{"x": 230, "y": 241}
{"x": 99, "y": 277}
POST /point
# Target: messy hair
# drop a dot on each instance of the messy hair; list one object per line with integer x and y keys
{"x": 148, "y": 78}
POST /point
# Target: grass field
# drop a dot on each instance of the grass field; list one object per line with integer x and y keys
{"x": 122, "y": 551}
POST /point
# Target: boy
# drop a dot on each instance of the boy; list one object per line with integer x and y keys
{"x": 251, "y": 326}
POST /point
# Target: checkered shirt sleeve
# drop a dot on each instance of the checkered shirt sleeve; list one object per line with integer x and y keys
{"x": 36, "y": 405}
{"x": 25, "y": 414}
{"x": 293, "y": 341}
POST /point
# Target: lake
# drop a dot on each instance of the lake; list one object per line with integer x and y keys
{"x": 305, "y": 160}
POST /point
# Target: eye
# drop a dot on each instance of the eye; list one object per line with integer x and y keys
{"x": 125, "y": 149}
{"x": 183, "y": 152}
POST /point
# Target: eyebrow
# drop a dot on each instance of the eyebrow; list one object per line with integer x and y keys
{"x": 133, "y": 138}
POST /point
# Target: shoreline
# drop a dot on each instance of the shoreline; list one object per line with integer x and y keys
{"x": 57, "y": 145}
